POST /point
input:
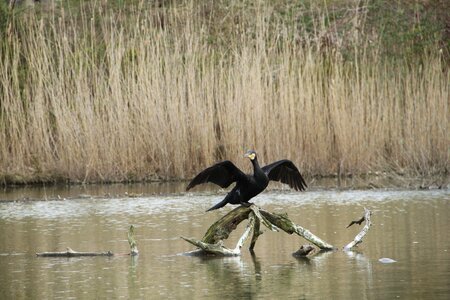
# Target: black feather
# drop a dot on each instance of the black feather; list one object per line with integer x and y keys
{"x": 248, "y": 186}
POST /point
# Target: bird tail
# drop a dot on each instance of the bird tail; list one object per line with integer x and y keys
{"x": 219, "y": 205}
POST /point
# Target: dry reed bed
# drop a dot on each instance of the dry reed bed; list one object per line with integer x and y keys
{"x": 108, "y": 102}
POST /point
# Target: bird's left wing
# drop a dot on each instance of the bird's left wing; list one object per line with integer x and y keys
{"x": 286, "y": 172}
{"x": 223, "y": 174}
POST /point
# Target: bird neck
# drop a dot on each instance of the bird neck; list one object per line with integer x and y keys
{"x": 260, "y": 177}
{"x": 256, "y": 167}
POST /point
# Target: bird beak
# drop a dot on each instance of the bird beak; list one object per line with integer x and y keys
{"x": 250, "y": 154}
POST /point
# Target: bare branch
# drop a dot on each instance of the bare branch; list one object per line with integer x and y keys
{"x": 285, "y": 224}
{"x": 359, "y": 237}
{"x": 257, "y": 213}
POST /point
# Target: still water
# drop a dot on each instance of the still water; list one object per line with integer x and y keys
{"x": 411, "y": 227}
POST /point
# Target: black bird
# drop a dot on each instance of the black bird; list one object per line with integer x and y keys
{"x": 247, "y": 185}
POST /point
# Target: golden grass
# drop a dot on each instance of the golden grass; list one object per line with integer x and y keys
{"x": 100, "y": 100}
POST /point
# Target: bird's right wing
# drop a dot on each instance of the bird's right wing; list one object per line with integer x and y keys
{"x": 286, "y": 172}
{"x": 223, "y": 174}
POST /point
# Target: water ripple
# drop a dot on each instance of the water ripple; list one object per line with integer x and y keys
{"x": 198, "y": 203}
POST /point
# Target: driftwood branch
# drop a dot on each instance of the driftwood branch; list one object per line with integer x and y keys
{"x": 256, "y": 233}
{"x": 258, "y": 214}
{"x": 285, "y": 224}
{"x": 222, "y": 228}
{"x": 219, "y": 248}
{"x": 225, "y": 225}
{"x": 359, "y": 237}
{"x": 212, "y": 242}
{"x": 71, "y": 253}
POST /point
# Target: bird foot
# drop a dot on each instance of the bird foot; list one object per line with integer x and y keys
{"x": 246, "y": 204}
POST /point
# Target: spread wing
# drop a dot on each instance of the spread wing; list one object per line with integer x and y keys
{"x": 223, "y": 174}
{"x": 286, "y": 172}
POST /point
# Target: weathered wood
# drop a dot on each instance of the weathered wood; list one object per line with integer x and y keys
{"x": 222, "y": 228}
{"x": 132, "y": 242}
{"x": 71, "y": 253}
{"x": 246, "y": 234}
{"x": 285, "y": 224}
{"x": 212, "y": 241}
{"x": 256, "y": 233}
{"x": 256, "y": 211}
{"x": 359, "y": 237}
{"x": 218, "y": 248}
{"x": 208, "y": 248}
{"x": 303, "y": 251}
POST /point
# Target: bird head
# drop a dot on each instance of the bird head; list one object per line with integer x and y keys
{"x": 250, "y": 154}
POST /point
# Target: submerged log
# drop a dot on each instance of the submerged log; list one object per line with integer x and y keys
{"x": 71, "y": 253}
{"x": 212, "y": 241}
{"x": 303, "y": 251}
{"x": 359, "y": 237}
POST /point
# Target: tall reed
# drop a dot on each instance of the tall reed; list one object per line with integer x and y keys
{"x": 93, "y": 98}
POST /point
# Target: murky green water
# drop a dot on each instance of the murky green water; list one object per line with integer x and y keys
{"x": 411, "y": 227}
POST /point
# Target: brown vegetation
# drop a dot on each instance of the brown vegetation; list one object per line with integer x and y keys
{"x": 95, "y": 98}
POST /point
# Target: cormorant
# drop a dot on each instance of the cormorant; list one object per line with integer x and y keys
{"x": 248, "y": 185}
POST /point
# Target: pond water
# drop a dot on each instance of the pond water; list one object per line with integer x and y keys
{"x": 410, "y": 227}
